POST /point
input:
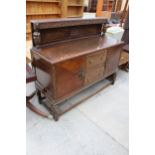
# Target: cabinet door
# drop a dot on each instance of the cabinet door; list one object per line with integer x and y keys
{"x": 112, "y": 60}
{"x": 94, "y": 75}
{"x": 69, "y": 76}
{"x": 95, "y": 64}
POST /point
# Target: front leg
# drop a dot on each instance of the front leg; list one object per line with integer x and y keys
{"x": 112, "y": 78}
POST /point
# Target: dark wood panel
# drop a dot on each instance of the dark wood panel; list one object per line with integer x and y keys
{"x": 69, "y": 76}
{"x": 112, "y": 60}
{"x": 96, "y": 59}
{"x": 65, "y": 33}
{"x": 66, "y": 63}
{"x": 65, "y": 22}
{"x": 93, "y": 75}
{"x": 44, "y": 73}
{"x": 75, "y": 48}
{"x": 48, "y": 31}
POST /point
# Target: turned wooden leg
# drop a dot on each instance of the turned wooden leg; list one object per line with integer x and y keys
{"x": 125, "y": 67}
{"x": 54, "y": 111}
{"x": 55, "y": 117}
{"x": 112, "y": 78}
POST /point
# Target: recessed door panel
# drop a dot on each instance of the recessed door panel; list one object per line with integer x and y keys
{"x": 112, "y": 60}
{"x": 94, "y": 75}
{"x": 69, "y": 76}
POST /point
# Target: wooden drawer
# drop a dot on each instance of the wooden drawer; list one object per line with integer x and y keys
{"x": 95, "y": 59}
{"x": 124, "y": 58}
{"x": 94, "y": 75}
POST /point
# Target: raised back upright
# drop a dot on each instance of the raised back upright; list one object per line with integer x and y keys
{"x": 46, "y": 32}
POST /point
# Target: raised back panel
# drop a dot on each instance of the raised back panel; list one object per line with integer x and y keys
{"x": 45, "y": 32}
{"x": 64, "y": 33}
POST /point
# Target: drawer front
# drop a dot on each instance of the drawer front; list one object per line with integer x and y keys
{"x": 96, "y": 59}
{"x": 94, "y": 75}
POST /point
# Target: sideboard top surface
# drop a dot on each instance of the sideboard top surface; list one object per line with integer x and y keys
{"x": 75, "y": 48}
{"x": 64, "y": 22}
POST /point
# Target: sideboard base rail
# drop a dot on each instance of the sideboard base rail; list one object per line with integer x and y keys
{"x": 56, "y": 110}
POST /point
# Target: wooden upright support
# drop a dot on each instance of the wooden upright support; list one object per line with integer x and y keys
{"x": 64, "y": 8}
{"x": 114, "y": 5}
{"x": 125, "y": 11}
{"x": 118, "y": 5}
{"x": 99, "y": 8}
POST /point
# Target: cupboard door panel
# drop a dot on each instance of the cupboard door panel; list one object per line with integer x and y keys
{"x": 112, "y": 60}
{"x": 93, "y": 75}
{"x": 69, "y": 76}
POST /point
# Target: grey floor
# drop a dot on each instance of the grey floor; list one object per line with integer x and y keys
{"x": 99, "y": 126}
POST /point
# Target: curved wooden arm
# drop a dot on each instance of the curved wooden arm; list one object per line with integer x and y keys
{"x": 37, "y": 111}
